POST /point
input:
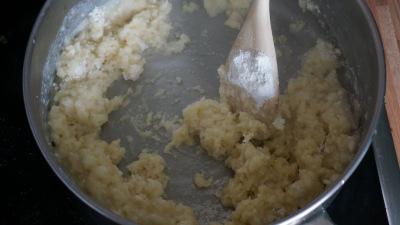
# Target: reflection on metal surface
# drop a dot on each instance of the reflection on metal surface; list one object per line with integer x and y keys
{"x": 321, "y": 218}
{"x": 388, "y": 169}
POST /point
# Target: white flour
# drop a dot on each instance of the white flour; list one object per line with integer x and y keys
{"x": 256, "y": 73}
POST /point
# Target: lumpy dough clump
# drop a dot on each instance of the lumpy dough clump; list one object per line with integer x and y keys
{"x": 110, "y": 46}
{"x": 279, "y": 169}
{"x": 235, "y": 10}
{"x": 201, "y": 181}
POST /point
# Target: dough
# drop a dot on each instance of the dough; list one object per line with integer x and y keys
{"x": 111, "y": 45}
{"x": 215, "y": 7}
{"x": 189, "y": 7}
{"x": 279, "y": 167}
{"x": 201, "y": 181}
{"x": 235, "y": 10}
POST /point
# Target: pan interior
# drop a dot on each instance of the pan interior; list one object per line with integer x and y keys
{"x": 170, "y": 83}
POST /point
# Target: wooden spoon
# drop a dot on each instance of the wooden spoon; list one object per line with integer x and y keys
{"x": 250, "y": 81}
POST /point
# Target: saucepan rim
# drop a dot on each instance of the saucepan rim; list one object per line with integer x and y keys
{"x": 298, "y": 216}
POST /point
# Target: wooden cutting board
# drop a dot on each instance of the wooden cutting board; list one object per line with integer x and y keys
{"x": 387, "y": 16}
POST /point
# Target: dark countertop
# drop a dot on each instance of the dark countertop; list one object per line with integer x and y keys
{"x": 32, "y": 194}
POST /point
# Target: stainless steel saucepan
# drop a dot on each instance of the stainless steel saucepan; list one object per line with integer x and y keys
{"x": 347, "y": 23}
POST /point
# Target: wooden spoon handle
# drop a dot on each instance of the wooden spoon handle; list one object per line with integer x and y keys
{"x": 256, "y": 30}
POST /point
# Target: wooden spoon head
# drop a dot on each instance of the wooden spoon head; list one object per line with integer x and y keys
{"x": 249, "y": 82}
